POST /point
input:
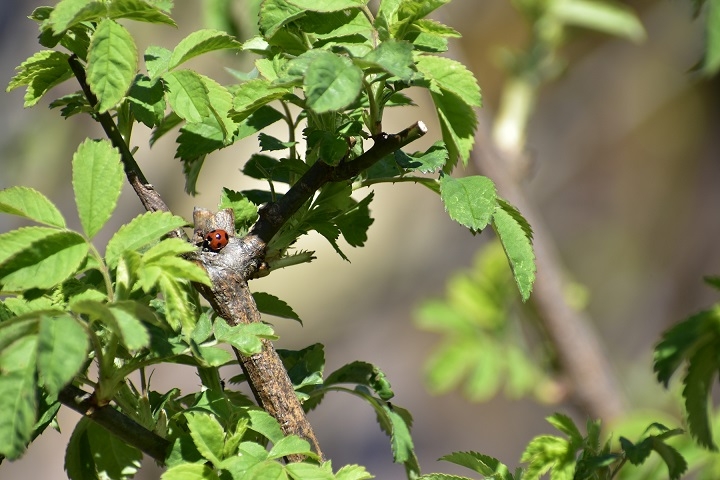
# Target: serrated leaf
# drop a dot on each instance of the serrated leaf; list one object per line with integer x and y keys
{"x": 141, "y": 230}
{"x": 603, "y": 16}
{"x": 112, "y": 63}
{"x": 17, "y": 409}
{"x": 308, "y": 471}
{"x": 62, "y": 350}
{"x": 515, "y": 236}
{"x": 273, "y": 15}
{"x": 470, "y": 201}
{"x": 331, "y": 83}
{"x": 180, "y": 310}
{"x": 40, "y": 73}
{"x": 113, "y": 457}
{"x": 353, "y": 472}
{"x": 676, "y": 463}
{"x": 401, "y": 440}
{"x": 429, "y": 161}
{"x": 328, "y": 5}
{"x": 140, "y": 11}
{"x": 147, "y": 100}
{"x": 31, "y": 204}
{"x": 72, "y": 12}
{"x": 199, "y": 42}
{"x": 545, "y": 452}
{"x": 362, "y": 373}
{"x": 252, "y": 95}
{"x": 97, "y": 182}
{"x": 272, "y": 305}
{"x": 207, "y": 434}
{"x": 189, "y": 471}
{"x": 702, "y": 369}
{"x": 244, "y": 210}
{"x": 482, "y": 464}
{"x": 245, "y": 337}
{"x": 290, "y": 445}
{"x": 187, "y": 95}
{"x": 457, "y": 123}
{"x": 157, "y": 60}
{"x": 262, "y": 423}
{"x": 567, "y": 426}
{"x": 394, "y": 57}
{"x": 305, "y": 367}
{"x": 133, "y": 333}
{"x": 44, "y": 263}
{"x": 451, "y": 76}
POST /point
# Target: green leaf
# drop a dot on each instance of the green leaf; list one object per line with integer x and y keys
{"x": 79, "y": 462}
{"x": 457, "y": 123}
{"x": 363, "y": 373}
{"x": 40, "y": 73}
{"x": 604, "y": 16}
{"x": 394, "y": 57}
{"x": 113, "y": 457}
{"x": 141, "y": 230}
{"x": 447, "y": 75}
{"x": 189, "y": 471}
{"x": 252, "y": 95}
{"x": 353, "y": 472}
{"x": 272, "y": 305}
{"x": 328, "y": 5}
{"x": 97, "y": 182}
{"x": 305, "y": 367}
{"x": 482, "y": 464}
{"x": 207, "y": 434}
{"x": 400, "y": 439}
{"x": 245, "y": 337}
{"x": 429, "y": 161}
{"x": 133, "y": 333}
{"x": 290, "y": 445}
{"x": 157, "y": 60}
{"x": 331, "y": 82}
{"x": 307, "y": 471}
{"x": 516, "y": 238}
{"x": 112, "y": 63}
{"x": 676, "y": 463}
{"x": 245, "y": 211}
{"x": 18, "y": 401}
{"x": 180, "y": 314}
{"x": 470, "y": 201}
{"x": 262, "y": 423}
{"x": 188, "y": 95}
{"x": 147, "y": 100}
{"x": 62, "y": 351}
{"x": 140, "y": 11}
{"x": 31, "y": 204}
{"x": 702, "y": 370}
{"x": 567, "y": 426}
{"x": 354, "y": 223}
{"x": 68, "y": 13}
{"x": 45, "y": 262}
{"x": 276, "y": 13}
{"x": 547, "y": 452}
{"x": 199, "y": 42}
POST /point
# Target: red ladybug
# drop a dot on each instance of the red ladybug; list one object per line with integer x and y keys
{"x": 215, "y": 240}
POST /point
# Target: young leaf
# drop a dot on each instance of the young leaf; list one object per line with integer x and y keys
{"x": 362, "y": 373}
{"x": 199, "y": 42}
{"x": 516, "y": 238}
{"x": 97, "y": 182}
{"x": 188, "y": 95}
{"x": 567, "y": 426}
{"x": 274, "y": 14}
{"x": 272, "y": 305}
{"x": 68, "y": 13}
{"x": 112, "y": 63}
{"x": 470, "y": 201}
{"x": 702, "y": 370}
{"x": 40, "y": 73}
{"x": 140, "y": 11}
{"x": 547, "y": 452}
{"x": 113, "y": 457}
{"x": 45, "y": 262}
{"x": 157, "y": 60}
{"x": 245, "y": 337}
{"x": 290, "y": 445}
{"x": 353, "y": 472}
{"x": 31, "y": 204}
{"x": 400, "y": 439}
{"x": 133, "y": 333}
{"x": 245, "y": 211}
{"x": 328, "y": 5}
{"x": 141, "y": 230}
{"x": 308, "y": 471}
{"x": 187, "y": 471}
{"x": 18, "y": 401}
{"x": 62, "y": 350}
{"x": 207, "y": 434}
{"x": 482, "y": 464}
{"x": 331, "y": 83}
{"x": 447, "y": 75}
{"x": 394, "y": 57}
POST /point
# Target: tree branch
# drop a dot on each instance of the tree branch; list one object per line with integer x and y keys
{"x": 115, "y": 422}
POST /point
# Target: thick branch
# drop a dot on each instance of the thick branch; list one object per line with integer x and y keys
{"x": 580, "y": 351}
{"x": 115, "y": 422}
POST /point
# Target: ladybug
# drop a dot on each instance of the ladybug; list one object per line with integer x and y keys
{"x": 215, "y": 240}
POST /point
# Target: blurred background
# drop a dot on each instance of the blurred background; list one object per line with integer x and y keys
{"x": 625, "y": 172}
